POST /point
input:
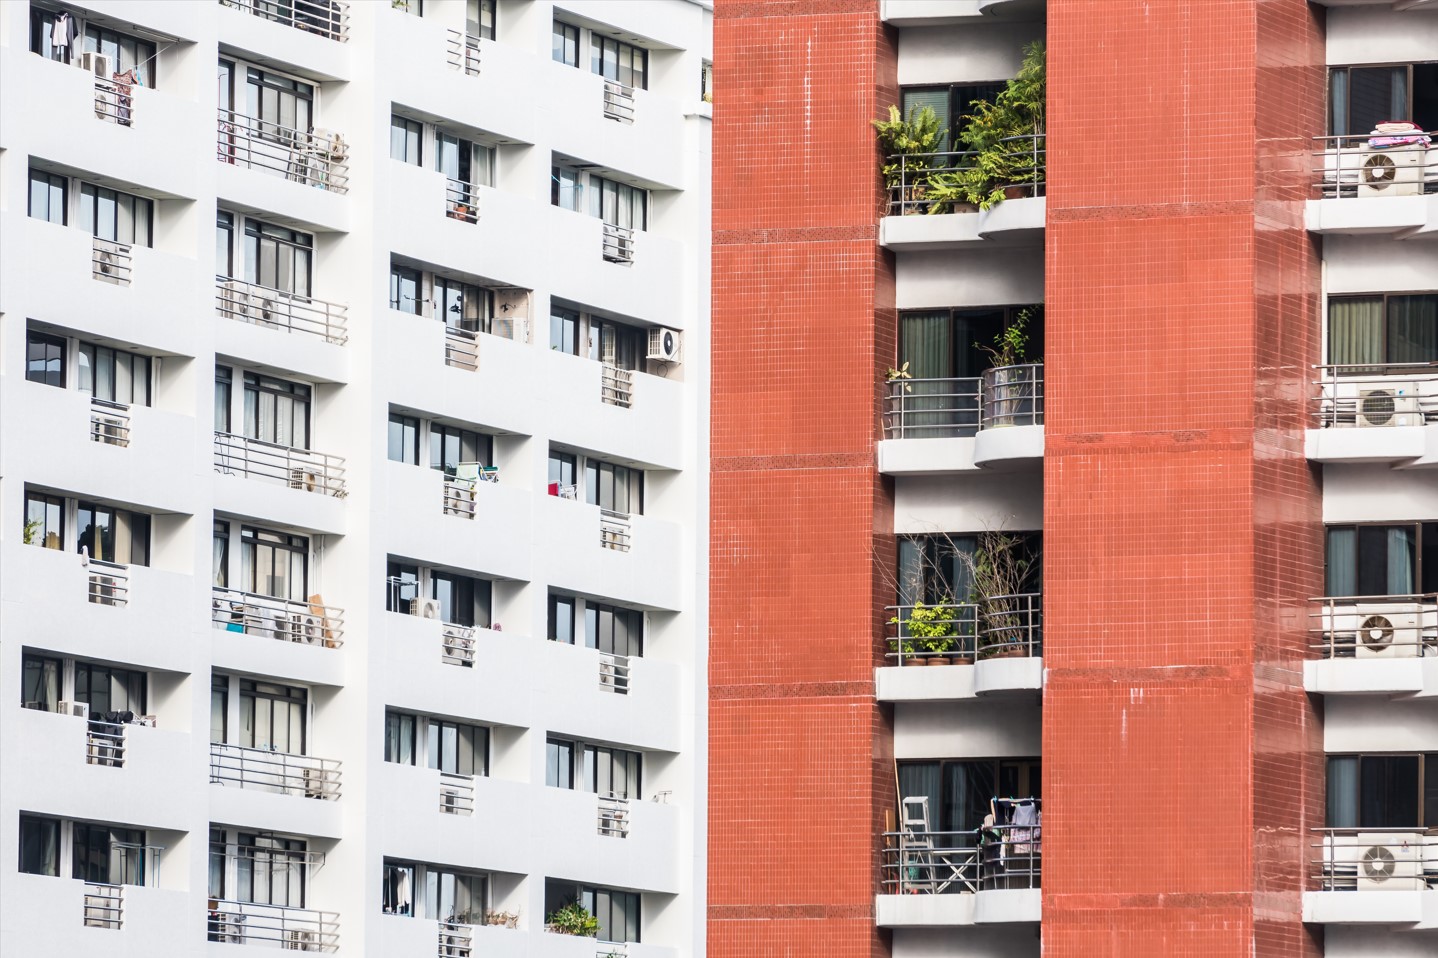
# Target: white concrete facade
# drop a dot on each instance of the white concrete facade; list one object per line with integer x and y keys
{"x": 291, "y": 819}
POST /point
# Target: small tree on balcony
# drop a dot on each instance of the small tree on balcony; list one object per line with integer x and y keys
{"x": 1001, "y": 568}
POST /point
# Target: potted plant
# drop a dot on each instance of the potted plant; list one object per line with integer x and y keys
{"x": 572, "y": 919}
{"x": 909, "y": 145}
{"x": 927, "y": 628}
{"x": 507, "y": 919}
{"x": 1006, "y": 161}
{"x": 1002, "y": 569}
{"x": 1010, "y": 388}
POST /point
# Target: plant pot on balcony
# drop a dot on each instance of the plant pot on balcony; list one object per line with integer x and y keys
{"x": 961, "y": 658}
{"x": 1015, "y": 192}
{"x": 936, "y": 660}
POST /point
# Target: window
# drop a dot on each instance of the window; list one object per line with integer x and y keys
{"x": 617, "y": 344}
{"x": 44, "y": 520}
{"x": 1383, "y": 791}
{"x": 278, "y": 258}
{"x": 40, "y": 682}
{"x": 403, "y": 439}
{"x": 224, "y": 380}
{"x": 272, "y": 717}
{"x": 219, "y": 708}
{"x": 479, "y": 18}
{"x": 617, "y": 911}
{"x": 462, "y": 305}
{"x": 559, "y": 763}
{"x": 404, "y": 289}
{"x": 1382, "y": 559}
{"x": 566, "y": 189}
{"x": 115, "y": 216}
{"x": 561, "y": 619}
{"x": 113, "y": 374}
{"x": 112, "y": 535}
{"x": 449, "y": 446}
{"x": 947, "y": 343}
{"x": 277, "y": 411}
{"x": 106, "y": 855}
{"x": 397, "y": 894}
{"x": 706, "y": 82}
{"x": 455, "y": 896}
{"x": 565, "y": 45}
{"x": 1383, "y": 329}
{"x": 42, "y": 35}
{"x": 561, "y": 472}
{"x": 933, "y": 569}
{"x": 615, "y": 488}
{"x": 216, "y": 881}
{"x": 564, "y": 331}
{"x": 618, "y": 204}
{"x": 403, "y": 586}
{"x": 457, "y": 748}
{"x": 463, "y": 161}
{"x": 270, "y": 870}
{"x": 281, "y": 103}
{"x": 48, "y": 193}
{"x": 463, "y": 600}
{"x": 959, "y": 791}
{"x": 108, "y": 689}
{"x": 404, "y": 140}
{"x": 614, "y": 630}
{"x": 1362, "y": 97}
{"x": 126, "y": 52}
{"x": 399, "y": 738}
{"x": 224, "y": 244}
{"x": 621, "y": 62}
{"x": 39, "y": 846}
{"x": 220, "y": 547}
{"x": 274, "y": 563}
{"x": 45, "y": 359}
{"x": 952, "y": 105}
{"x": 613, "y": 771}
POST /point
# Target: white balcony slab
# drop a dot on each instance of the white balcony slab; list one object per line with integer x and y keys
{"x": 496, "y": 542}
{"x": 417, "y": 678}
{"x": 1410, "y": 445}
{"x": 924, "y": 683}
{"x": 273, "y": 196}
{"x": 285, "y": 46}
{"x": 182, "y": 20}
{"x": 1368, "y": 907}
{"x": 419, "y": 936}
{"x": 924, "y": 911}
{"x": 272, "y": 502}
{"x": 260, "y": 655}
{"x": 574, "y": 701}
{"x": 272, "y": 348}
{"x": 647, "y": 288}
{"x": 548, "y": 945}
{"x": 1007, "y": 905}
{"x": 154, "y": 917}
{"x": 648, "y": 575}
{"x": 1409, "y": 676}
{"x": 1000, "y": 675}
{"x": 645, "y": 860}
{"x": 1009, "y": 447}
{"x": 928, "y": 13}
{"x": 1403, "y": 217}
{"x": 649, "y": 432}
{"x": 926, "y": 457}
{"x": 1018, "y": 222}
{"x": 570, "y": 104}
{"x": 276, "y": 811}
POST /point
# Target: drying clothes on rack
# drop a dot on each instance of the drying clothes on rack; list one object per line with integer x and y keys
{"x": 124, "y": 82}
{"x": 64, "y": 35}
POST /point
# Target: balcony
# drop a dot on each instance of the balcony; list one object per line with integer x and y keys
{"x": 325, "y": 18}
{"x": 278, "y": 309}
{"x": 1383, "y": 645}
{"x": 633, "y": 559}
{"x": 462, "y": 52}
{"x": 994, "y": 647}
{"x": 1375, "y": 184}
{"x": 936, "y": 13}
{"x": 287, "y": 620}
{"x": 1384, "y": 413}
{"x": 991, "y": 421}
{"x": 943, "y": 879}
{"x": 617, "y": 244}
{"x": 81, "y": 917}
{"x": 926, "y": 211}
{"x": 277, "y": 926}
{"x": 1372, "y": 876}
{"x": 618, "y": 102}
{"x": 302, "y": 469}
{"x": 276, "y": 772}
{"x": 461, "y": 348}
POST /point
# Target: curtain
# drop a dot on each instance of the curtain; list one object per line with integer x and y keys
{"x": 911, "y": 571}
{"x": 1412, "y": 329}
{"x": 921, "y": 780}
{"x": 1342, "y": 571}
{"x": 1355, "y": 331}
{"x": 1400, "y": 561}
{"x": 927, "y": 409}
{"x": 1343, "y": 791}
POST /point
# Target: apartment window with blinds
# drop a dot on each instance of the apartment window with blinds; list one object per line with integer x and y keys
{"x": 113, "y": 374}
{"x": 565, "y": 45}
{"x": 112, "y": 215}
{"x": 1383, "y": 791}
{"x": 112, "y": 535}
{"x": 1381, "y": 560}
{"x": 613, "y": 487}
{"x": 1382, "y": 329}
{"x": 621, "y": 62}
{"x": 277, "y": 411}
{"x": 405, "y": 137}
{"x": 618, "y": 204}
{"x": 48, "y": 194}
{"x": 953, "y": 105}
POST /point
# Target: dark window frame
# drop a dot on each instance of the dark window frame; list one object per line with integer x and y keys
{"x": 53, "y": 182}
{"x": 1386, "y": 321}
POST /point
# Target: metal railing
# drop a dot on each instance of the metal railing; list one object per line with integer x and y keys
{"x": 1362, "y": 166}
{"x": 318, "y": 159}
{"x": 1381, "y": 394}
{"x": 114, "y": 101}
{"x": 613, "y": 816}
{"x": 295, "y": 929}
{"x": 110, "y": 262}
{"x": 1011, "y": 626}
{"x": 614, "y": 530}
{"x": 109, "y": 422}
{"x": 108, "y": 583}
{"x": 1374, "y": 626}
{"x": 297, "y": 468}
{"x": 328, "y": 18}
{"x": 288, "y": 620}
{"x": 105, "y": 743}
{"x": 1012, "y": 396}
{"x": 618, "y": 243}
{"x": 272, "y": 771}
{"x": 461, "y": 201}
{"x": 614, "y": 673}
{"x": 1375, "y": 859}
{"x": 462, "y": 52}
{"x": 612, "y": 949}
{"x": 262, "y": 306}
{"x": 456, "y": 793}
{"x": 458, "y": 497}
{"x": 931, "y": 408}
{"x": 618, "y": 102}
{"x": 456, "y": 940}
{"x": 925, "y": 182}
{"x": 616, "y": 386}
{"x": 104, "y": 905}
{"x": 985, "y": 859}
{"x": 461, "y": 348}
{"x": 457, "y": 646}
{"x": 1002, "y": 626}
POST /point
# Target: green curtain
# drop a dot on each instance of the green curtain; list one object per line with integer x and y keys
{"x": 926, "y": 344}
{"x": 1412, "y": 329}
{"x": 1355, "y": 331}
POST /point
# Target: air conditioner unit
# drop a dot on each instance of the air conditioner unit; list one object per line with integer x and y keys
{"x": 424, "y": 608}
{"x": 77, "y": 709}
{"x": 108, "y": 429}
{"x": 296, "y": 940}
{"x": 102, "y": 589}
{"x": 305, "y": 478}
{"x": 314, "y": 783}
{"x": 1391, "y": 630}
{"x": 1390, "y": 862}
{"x": 98, "y": 64}
{"x": 665, "y": 344}
{"x": 449, "y": 801}
{"x": 1392, "y": 172}
{"x": 236, "y": 299}
{"x": 266, "y": 310}
{"x": 310, "y": 628}
{"x": 1393, "y": 404}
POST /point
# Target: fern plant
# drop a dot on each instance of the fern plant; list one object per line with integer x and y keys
{"x": 573, "y": 919}
{"x": 1001, "y": 135}
{"x": 908, "y": 145}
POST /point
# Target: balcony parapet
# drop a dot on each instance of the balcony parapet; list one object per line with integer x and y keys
{"x": 276, "y": 308}
{"x": 272, "y": 771}
{"x": 327, "y": 18}
{"x": 303, "y": 469}
{"x": 289, "y": 620}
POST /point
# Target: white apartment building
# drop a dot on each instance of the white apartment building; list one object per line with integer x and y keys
{"x": 353, "y": 476}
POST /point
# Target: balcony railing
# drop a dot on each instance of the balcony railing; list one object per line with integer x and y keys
{"x": 288, "y": 620}
{"x": 1001, "y": 626}
{"x": 462, "y": 52}
{"x": 455, "y": 940}
{"x": 618, "y": 244}
{"x": 614, "y": 530}
{"x": 294, "y": 929}
{"x": 461, "y": 201}
{"x": 1371, "y": 166}
{"x": 457, "y": 645}
{"x": 318, "y": 159}
{"x": 105, "y": 743}
{"x": 1375, "y": 626}
{"x": 986, "y": 859}
{"x": 616, "y": 386}
{"x": 461, "y": 348}
{"x": 613, "y": 816}
{"x": 297, "y": 468}
{"x": 114, "y": 101}
{"x": 272, "y": 771}
{"x": 618, "y": 102}
{"x": 328, "y": 18}
{"x": 104, "y": 905}
{"x": 927, "y": 182}
{"x": 109, "y": 422}
{"x": 108, "y": 583}
{"x": 1394, "y": 394}
{"x": 949, "y": 408}
{"x": 456, "y": 794}
{"x": 262, "y": 306}
{"x": 110, "y": 262}
{"x": 1375, "y": 859}
{"x": 614, "y": 673}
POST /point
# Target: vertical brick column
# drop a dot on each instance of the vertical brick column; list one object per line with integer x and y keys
{"x": 1182, "y": 760}
{"x": 800, "y": 767}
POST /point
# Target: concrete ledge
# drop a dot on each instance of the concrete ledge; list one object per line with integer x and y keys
{"x": 1000, "y": 675}
{"x": 1012, "y": 223}
{"x": 929, "y": 13}
{"x": 1373, "y": 444}
{"x": 923, "y": 683}
{"x": 924, "y": 911}
{"x": 1365, "y": 907}
{"x": 1357, "y": 216}
{"x": 1009, "y": 445}
{"x": 1414, "y": 676}
{"x": 1008, "y": 905}
{"x": 926, "y": 457}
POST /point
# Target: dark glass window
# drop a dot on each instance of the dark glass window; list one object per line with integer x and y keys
{"x": 277, "y": 411}
{"x": 278, "y": 258}
{"x": 399, "y": 738}
{"x": 283, "y": 104}
{"x": 613, "y": 771}
{"x": 405, "y": 136}
{"x": 42, "y": 27}
{"x": 559, "y": 763}
{"x": 274, "y": 563}
{"x": 612, "y": 629}
{"x": 479, "y": 18}
{"x": 621, "y": 62}
{"x": 959, "y": 792}
{"x": 116, "y": 216}
{"x": 48, "y": 192}
{"x": 45, "y": 359}
{"x": 1383, "y": 791}
{"x": 224, "y": 244}
{"x": 270, "y": 870}
{"x": 561, "y": 472}
{"x": 565, "y": 45}
{"x": 617, "y": 911}
{"x": 618, "y": 204}
{"x": 952, "y": 105}
{"x": 219, "y": 708}
{"x": 113, "y": 374}
{"x": 463, "y": 600}
{"x": 40, "y": 682}
{"x": 125, "y": 52}
{"x": 566, "y": 189}
{"x": 617, "y": 344}
{"x": 615, "y": 488}
{"x": 457, "y": 748}
{"x": 273, "y": 716}
{"x": 39, "y": 846}
{"x": 107, "y": 855}
{"x": 403, "y": 439}
{"x": 561, "y": 619}
{"x": 1380, "y": 560}
{"x": 224, "y": 384}
{"x": 1362, "y": 97}
{"x": 402, "y": 583}
{"x": 404, "y": 290}
{"x": 450, "y": 446}
{"x": 462, "y": 305}
{"x": 1379, "y": 330}
{"x": 113, "y": 535}
{"x": 44, "y": 520}
{"x": 564, "y": 330}
{"x": 108, "y": 689}
{"x": 220, "y": 545}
